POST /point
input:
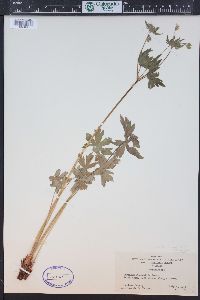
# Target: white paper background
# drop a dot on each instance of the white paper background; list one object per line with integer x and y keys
{"x": 60, "y": 81}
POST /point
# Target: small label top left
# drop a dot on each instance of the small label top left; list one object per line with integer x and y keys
{"x": 23, "y": 23}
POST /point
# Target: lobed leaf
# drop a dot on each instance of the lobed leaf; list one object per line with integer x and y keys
{"x": 130, "y": 137}
{"x": 152, "y": 28}
{"x": 98, "y": 142}
{"x": 154, "y": 80}
{"x": 120, "y": 150}
{"x": 149, "y": 62}
{"x": 177, "y": 43}
{"x": 59, "y": 180}
{"x": 83, "y": 179}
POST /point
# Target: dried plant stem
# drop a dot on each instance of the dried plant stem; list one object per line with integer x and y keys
{"x": 55, "y": 219}
{"x": 165, "y": 50}
{"x": 121, "y": 99}
{"x": 166, "y": 57}
{"x": 47, "y": 224}
{"x": 138, "y": 66}
{"x": 40, "y": 235}
{"x": 150, "y": 67}
{"x": 55, "y": 201}
{"x": 41, "y": 230}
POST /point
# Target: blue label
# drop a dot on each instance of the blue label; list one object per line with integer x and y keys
{"x": 58, "y": 276}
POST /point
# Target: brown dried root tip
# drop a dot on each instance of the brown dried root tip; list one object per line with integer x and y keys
{"x": 26, "y": 268}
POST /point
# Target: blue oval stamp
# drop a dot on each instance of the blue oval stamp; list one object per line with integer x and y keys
{"x": 58, "y": 276}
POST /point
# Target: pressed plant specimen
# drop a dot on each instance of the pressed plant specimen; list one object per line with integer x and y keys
{"x": 99, "y": 154}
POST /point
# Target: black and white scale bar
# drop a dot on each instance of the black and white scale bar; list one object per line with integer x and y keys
{"x": 65, "y": 7}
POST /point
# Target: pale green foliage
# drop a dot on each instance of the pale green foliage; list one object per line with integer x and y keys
{"x": 58, "y": 180}
{"x": 104, "y": 168}
{"x": 99, "y": 143}
{"x": 154, "y": 80}
{"x": 152, "y": 28}
{"x": 130, "y": 137}
{"x": 152, "y": 64}
{"x": 101, "y": 161}
{"x": 105, "y": 153}
{"x": 82, "y": 173}
{"x": 177, "y": 43}
{"x": 149, "y": 62}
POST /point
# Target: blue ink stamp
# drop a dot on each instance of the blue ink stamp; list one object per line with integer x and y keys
{"x": 58, "y": 276}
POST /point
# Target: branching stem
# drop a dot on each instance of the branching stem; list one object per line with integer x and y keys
{"x": 50, "y": 220}
{"x": 40, "y": 235}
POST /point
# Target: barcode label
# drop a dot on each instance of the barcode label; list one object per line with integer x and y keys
{"x": 23, "y": 23}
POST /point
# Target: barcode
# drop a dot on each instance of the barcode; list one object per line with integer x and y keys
{"x": 22, "y": 23}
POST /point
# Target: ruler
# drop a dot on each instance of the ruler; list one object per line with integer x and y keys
{"x": 78, "y": 7}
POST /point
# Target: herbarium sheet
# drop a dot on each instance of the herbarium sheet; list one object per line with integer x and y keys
{"x": 101, "y": 155}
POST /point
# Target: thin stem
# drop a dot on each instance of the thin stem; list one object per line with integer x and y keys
{"x": 42, "y": 233}
{"x": 145, "y": 41}
{"x": 54, "y": 220}
{"x": 42, "y": 228}
{"x": 166, "y": 57}
{"x": 54, "y": 202}
{"x": 52, "y": 223}
{"x": 164, "y": 50}
{"x": 167, "y": 48}
{"x": 103, "y": 122}
{"x": 52, "y": 199}
{"x": 138, "y": 66}
{"x": 120, "y": 100}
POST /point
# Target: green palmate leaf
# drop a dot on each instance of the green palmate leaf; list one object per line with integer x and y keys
{"x": 83, "y": 179}
{"x": 154, "y": 80}
{"x": 155, "y": 63}
{"x": 107, "y": 163}
{"x": 152, "y": 64}
{"x": 86, "y": 162}
{"x": 104, "y": 168}
{"x": 99, "y": 143}
{"x": 120, "y": 150}
{"x": 152, "y": 28}
{"x": 144, "y": 59}
{"x": 149, "y": 62}
{"x": 83, "y": 175}
{"x": 134, "y": 151}
{"x": 127, "y": 126}
{"x": 177, "y": 43}
{"x": 106, "y": 151}
{"x": 59, "y": 180}
{"x": 130, "y": 137}
{"x": 106, "y": 176}
{"x": 117, "y": 142}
